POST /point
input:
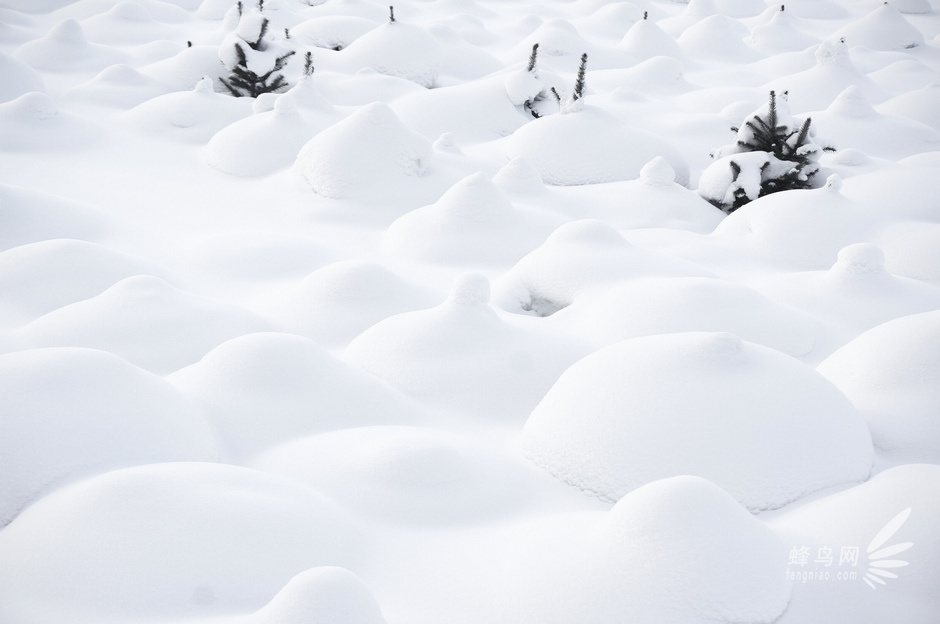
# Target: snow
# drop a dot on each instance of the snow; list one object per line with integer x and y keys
{"x": 886, "y": 372}
{"x": 606, "y": 428}
{"x": 385, "y": 347}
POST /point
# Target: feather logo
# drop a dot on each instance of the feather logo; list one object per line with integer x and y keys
{"x": 880, "y": 557}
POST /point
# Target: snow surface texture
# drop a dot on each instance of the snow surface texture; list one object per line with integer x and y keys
{"x": 421, "y": 337}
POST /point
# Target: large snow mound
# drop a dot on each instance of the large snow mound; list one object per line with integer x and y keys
{"x": 889, "y": 373}
{"x": 370, "y": 152}
{"x": 68, "y": 271}
{"x": 339, "y": 301}
{"x": 473, "y": 224}
{"x": 397, "y": 49}
{"x": 675, "y": 550}
{"x": 146, "y": 321}
{"x": 265, "y": 389}
{"x": 70, "y": 412}
{"x": 579, "y": 257}
{"x": 881, "y": 533}
{"x": 406, "y": 475}
{"x": 590, "y": 146}
{"x": 652, "y": 407}
{"x": 176, "y": 539}
{"x": 661, "y": 305}
{"x": 463, "y": 355}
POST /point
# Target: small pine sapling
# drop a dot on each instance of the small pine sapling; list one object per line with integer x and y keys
{"x": 530, "y": 68}
{"x": 253, "y": 60}
{"x": 308, "y": 64}
{"x": 576, "y": 102}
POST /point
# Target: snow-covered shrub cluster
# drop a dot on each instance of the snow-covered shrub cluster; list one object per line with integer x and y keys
{"x": 772, "y": 152}
{"x": 465, "y": 326}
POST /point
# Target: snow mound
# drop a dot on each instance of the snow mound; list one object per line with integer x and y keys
{"x": 589, "y": 147}
{"x": 800, "y": 229}
{"x": 917, "y": 105}
{"x": 685, "y": 549}
{"x": 817, "y": 87}
{"x": 472, "y": 112}
{"x": 661, "y": 305}
{"x": 246, "y": 534}
{"x": 397, "y": 49}
{"x": 333, "y": 32}
{"x": 473, "y": 224}
{"x": 851, "y": 122}
{"x": 556, "y": 38}
{"x": 29, "y": 216}
{"x": 40, "y": 277}
{"x": 18, "y": 78}
{"x": 34, "y": 122}
{"x": 118, "y": 86}
{"x": 65, "y": 48}
{"x": 856, "y": 294}
{"x": 463, "y": 356}
{"x": 129, "y": 23}
{"x": 890, "y": 522}
{"x": 883, "y": 29}
{"x": 265, "y": 142}
{"x": 889, "y": 372}
{"x": 646, "y": 40}
{"x": 192, "y": 116}
{"x": 260, "y": 390}
{"x": 147, "y": 322}
{"x": 70, "y": 412}
{"x": 369, "y": 152}
{"x": 405, "y": 475}
{"x": 780, "y": 35}
{"x": 717, "y": 38}
{"x": 322, "y": 595}
{"x": 518, "y": 178}
{"x": 651, "y": 407}
{"x": 576, "y": 258}
{"x": 186, "y": 68}
{"x": 338, "y": 302}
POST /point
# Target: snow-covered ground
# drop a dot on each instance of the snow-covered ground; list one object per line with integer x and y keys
{"x": 420, "y": 341}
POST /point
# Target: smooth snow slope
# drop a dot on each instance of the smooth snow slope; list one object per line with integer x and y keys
{"x": 388, "y": 348}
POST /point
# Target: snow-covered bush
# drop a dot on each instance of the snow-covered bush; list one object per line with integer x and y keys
{"x": 253, "y": 59}
{"x": 772, "y": 152}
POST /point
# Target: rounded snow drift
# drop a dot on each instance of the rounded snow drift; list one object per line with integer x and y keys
{"x": 189, "y": 539}
{"x": 264, "y": 389}
{"x": 370, "y": 151}
{"x": 890, "y": 374}
{"x": 322, "y": 595}
{"x": 69, "y": 412}
{"x": 761, "y": 425}
{"x": 590, "y": 146}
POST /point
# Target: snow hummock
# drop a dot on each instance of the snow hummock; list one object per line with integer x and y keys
{"x": 888, "y": 372}
{"x": 371, "y": 145}
{"x": 321, "y": 595}
{"x": 589, "y": 147}
{"x": 891, "y": 520}
{"x": 147, "y": 321}
{"x": 606, "y": 428}
{"x": 96, "y": 413}
{"x": 675, "y": 550}
{"x": 397, "y": 49}
{"x": 246, "y": 534}
{"x": 486, "y": 356}
{"x": 462, "y": 226}
{"x": 264, "y": 389}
